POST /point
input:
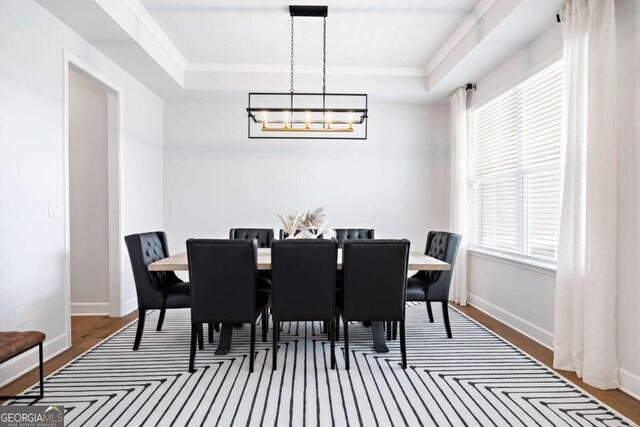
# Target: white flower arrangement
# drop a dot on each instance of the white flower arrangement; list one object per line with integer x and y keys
{"x": 306, "y": 224}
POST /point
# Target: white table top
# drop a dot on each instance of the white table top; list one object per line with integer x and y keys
{"x": 178, "y": 262}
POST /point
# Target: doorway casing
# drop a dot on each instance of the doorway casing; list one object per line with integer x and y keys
{"x": 114, "y": 174}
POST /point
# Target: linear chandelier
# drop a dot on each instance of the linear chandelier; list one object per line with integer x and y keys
{"x": 315, "y": 115}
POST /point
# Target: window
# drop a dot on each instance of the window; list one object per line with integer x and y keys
{"x": 514, "y": 168}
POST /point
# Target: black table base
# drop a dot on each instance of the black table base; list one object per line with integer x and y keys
{"x": 377, "y": 330}
{"x": 226, "y": 333}
{"x": 224, "y": 342}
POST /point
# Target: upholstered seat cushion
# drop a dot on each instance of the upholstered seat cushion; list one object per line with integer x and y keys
{"x": 177, "y": 295}
{"x": 13, "y": 343}
{"x": 415, "y": 288}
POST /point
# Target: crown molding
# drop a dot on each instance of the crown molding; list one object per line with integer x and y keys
{"x": 458, "y": 34}
{"x": 156, "y": 31}
{"x": 306, "y": 69}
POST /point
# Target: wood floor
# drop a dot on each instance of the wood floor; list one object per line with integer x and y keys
{"x": 621, "y": 402}
{"x": 87, "y": 331}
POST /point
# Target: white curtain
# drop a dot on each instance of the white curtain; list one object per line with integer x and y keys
{"x": 459, "y": 183}
{"x": 585, "y": 301}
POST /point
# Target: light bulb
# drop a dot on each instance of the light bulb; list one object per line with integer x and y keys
{"x": 307, "y": 120}
{"x": 264, "y": 120}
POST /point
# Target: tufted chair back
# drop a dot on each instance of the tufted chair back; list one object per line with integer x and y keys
{"x": 283, "y": 234}
{"x": 145, "y": 248}
{"x": 354, "y": 234}
{"x": 264, "y": 236}
{"x": 443, "y": 246}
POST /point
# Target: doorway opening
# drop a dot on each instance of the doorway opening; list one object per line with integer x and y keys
{"x": 93, "y": 195}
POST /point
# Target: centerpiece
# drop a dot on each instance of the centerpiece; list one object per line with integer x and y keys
{"x": 306, "y": 224}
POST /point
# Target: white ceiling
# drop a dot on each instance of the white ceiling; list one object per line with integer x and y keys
{"x": 394, "y": 50}
{"x": 360, "y": 33}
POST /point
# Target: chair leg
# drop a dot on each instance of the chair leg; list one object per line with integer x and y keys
{"x": 192, "y": 351}
{"x": 337, "y": 328}
{"x": 325, "y": 328}
{"x": 161, "y": 319}
{"x": 141, "y": 315}
{"x": 252, "y": 354}
{"x": 445, "y": 315}
{"x": 275, "y": 345}
{"x": 216, "y": 327}
{"x": 394, "y": 329}
{"x": 346, "y": 343}
{"x": 388, "y": 326}
{"x": 429, "y": 312}
{"x": 333, "y": 343}
{"x": 41, "y": 360}
{"x": 200, "y": 337}
{"x": 403, "y": 345}
{"x": 265, "y": 325}
{"x": 210, "y": 328}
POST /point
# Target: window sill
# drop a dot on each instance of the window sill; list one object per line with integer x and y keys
{"x": 528, "y": 264}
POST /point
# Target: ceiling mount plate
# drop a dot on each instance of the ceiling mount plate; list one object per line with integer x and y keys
{"x": 312, "y": 11}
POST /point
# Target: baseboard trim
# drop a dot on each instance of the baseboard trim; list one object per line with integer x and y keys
{"x": 129, "y": 306}
{"x": 89, "y": 308}
{"x": 20, "y": 365}
{"x": 539, "y": 335}
{"x": 630, "y": 383}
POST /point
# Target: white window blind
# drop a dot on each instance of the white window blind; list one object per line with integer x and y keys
{"x": 514, "y": 168}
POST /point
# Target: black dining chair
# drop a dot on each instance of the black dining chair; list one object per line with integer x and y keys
{"x": 352, "y": 234}
{"x": 433, "y": 286}
{"x": 283, "y": 234}
{"x": 156, "y": 290}
{"x": 374, "y": 286}
{"x": 303, "y": 285}
{"x": 264, "y": 236}
{"x": 343, "y": 234}
{"x": 224, "y": 287}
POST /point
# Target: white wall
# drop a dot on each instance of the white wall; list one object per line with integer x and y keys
{"x": 32, "y": 164}
{"x": 396, "y": 182}
{"x": 516, "y": 294}
{"x": 88, "y": 194}
{"x": 523, "y": 297}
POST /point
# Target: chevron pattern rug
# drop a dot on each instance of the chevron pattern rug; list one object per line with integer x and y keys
{"x": 474, "y": 379}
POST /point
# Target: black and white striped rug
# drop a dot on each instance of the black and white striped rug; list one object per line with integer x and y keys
{"x": 474, "y": 379}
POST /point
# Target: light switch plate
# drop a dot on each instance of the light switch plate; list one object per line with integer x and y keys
{"x": 21, "y": 317}
{"x": 54, "y": 210}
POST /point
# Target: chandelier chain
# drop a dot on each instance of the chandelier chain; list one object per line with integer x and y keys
{"x": 324, "y": 55}
{"x": 291, "y": 90}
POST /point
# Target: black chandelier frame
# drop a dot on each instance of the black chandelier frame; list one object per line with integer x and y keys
{"x": 360, "y": 115}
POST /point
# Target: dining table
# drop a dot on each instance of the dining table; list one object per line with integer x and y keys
{"x": 180, "y": 262}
